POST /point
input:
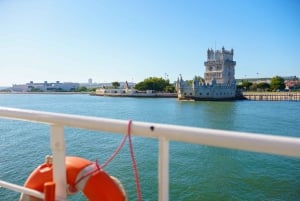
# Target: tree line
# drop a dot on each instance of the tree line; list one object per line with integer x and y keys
{"x": 157, "y": 84}
{"x": 277, "y": 83}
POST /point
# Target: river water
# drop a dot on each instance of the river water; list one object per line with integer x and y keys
{"x": 196, "y": 172}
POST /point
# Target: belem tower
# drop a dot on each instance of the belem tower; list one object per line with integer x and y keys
{"x": 219, "y": 81}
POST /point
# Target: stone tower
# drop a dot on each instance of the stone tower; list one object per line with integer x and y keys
{"x": 219, "y": 67}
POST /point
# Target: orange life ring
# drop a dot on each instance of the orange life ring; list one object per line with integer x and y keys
{"x": 82, "y": 175}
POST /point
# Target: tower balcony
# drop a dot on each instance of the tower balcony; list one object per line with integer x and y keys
{"x": 220, "y": 62}
{"x": 208, "y": 63}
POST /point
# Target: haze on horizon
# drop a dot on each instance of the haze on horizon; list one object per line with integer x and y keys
{"x": 72, "y": 41}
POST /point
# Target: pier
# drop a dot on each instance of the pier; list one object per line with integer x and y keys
{"x": 272, "y": 96}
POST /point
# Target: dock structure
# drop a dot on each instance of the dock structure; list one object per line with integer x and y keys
{"x": 272, "y": 96}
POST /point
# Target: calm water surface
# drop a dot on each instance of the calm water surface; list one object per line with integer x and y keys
{"x": 196, "y": 172}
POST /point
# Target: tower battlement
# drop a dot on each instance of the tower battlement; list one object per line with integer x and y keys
{"x": 216, "y": 55}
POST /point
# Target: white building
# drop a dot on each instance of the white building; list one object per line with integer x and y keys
{"x": 45, "y": 86}
{"x": 219, "y": 79}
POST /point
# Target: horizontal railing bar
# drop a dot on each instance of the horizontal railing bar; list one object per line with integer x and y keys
{"x": 77, "y": 121}
{"x": 281, "y": 145}
{"x": 21, "y": 189}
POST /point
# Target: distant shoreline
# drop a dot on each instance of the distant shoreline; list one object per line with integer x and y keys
{"x": 139, "y": 95}
{"x": 251, "y": 96}
{"x": 5, "y": 92}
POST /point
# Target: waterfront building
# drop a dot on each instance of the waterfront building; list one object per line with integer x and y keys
{"x": 124, "y": 89}
{"x": 219, "y": 79}
{"x": 45, "y": 86}
{"x": 90, "y": 81}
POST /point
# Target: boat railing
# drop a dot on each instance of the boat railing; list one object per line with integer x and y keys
{"x": 279, "y": 145}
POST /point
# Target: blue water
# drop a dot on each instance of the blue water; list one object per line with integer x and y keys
{"x": 196, "y": 172}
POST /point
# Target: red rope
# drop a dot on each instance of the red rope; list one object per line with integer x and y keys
{"x": 134, "y": 166}
{"x": 115, "y": 153}
{"x": 136, "y": 175}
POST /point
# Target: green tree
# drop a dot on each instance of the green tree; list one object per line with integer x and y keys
{"x": 92, "y": 89}
{"x": 154, "y": 83}
{"x": 239, "y": 86}
{"x": 81, "y": 89}
{"x": 199, "y": 78}
{"x": 277, "y": 83}
{"x": 170, "y": 89}
{"x": 246, "y": 85}
{"x": 253, "y": 87}
{"x": 263, "y": 86}
{"x": 115, "y": 84}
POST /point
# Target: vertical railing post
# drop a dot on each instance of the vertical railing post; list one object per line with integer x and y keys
{"x": 59, "y": 166}
{"x": 163, "y": 169}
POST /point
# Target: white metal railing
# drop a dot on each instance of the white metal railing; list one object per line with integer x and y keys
{"x": 280, "y": 145}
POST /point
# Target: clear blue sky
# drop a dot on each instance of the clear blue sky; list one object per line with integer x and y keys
{"x": 132, "y": 40}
